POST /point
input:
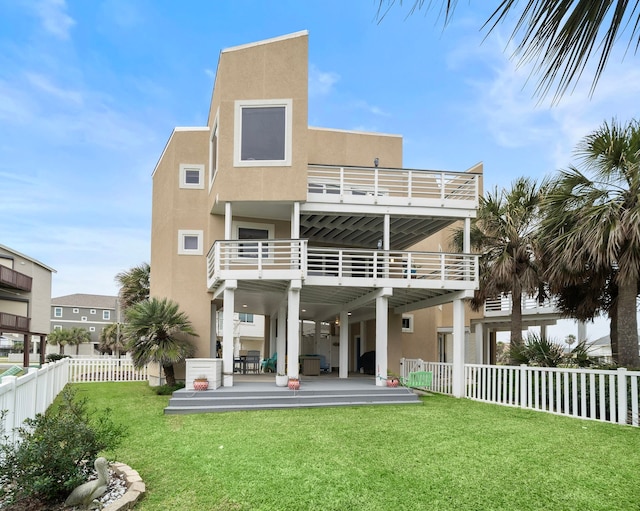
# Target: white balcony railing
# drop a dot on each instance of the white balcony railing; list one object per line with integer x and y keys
{"x": 501, "y": 306}
{"x": 293, "y": 259}
{"x": 392, "y": 186}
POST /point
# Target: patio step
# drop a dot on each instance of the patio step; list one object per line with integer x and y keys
{"x": 225, "y": 399}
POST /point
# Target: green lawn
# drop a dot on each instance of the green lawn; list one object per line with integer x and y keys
{"x": 447, "y": 454}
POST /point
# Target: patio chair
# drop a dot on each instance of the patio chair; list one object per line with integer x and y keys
{"x": 269, "y": 364}
{"x": 418, "y": 379}
{"x": 253, "y": 361}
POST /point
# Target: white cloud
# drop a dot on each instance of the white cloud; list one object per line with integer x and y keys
{"x": 372, "y": 109}
{"x": 321, "y": 83}
{"x": 54, "y": 18}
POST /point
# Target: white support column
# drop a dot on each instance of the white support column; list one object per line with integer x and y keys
{"x": 213, "y": 331}
{"x": 227, "y": 334}
{"x": 466, "y": 243}
{"x": 382, "y": 321}
{"x": 458, "y": 348}
{"x": 295, "y": 221}
{"x": 273, "y": 348}
{"x": 479, "y": 333}
{"x": 281, "y": 337}
{"x": 363, "y": 339}
{"x": 228, "y": 218}
{"x": 386, "y": 233}
{"x": 293, "y": 329}
{"x": 344, "y": 345}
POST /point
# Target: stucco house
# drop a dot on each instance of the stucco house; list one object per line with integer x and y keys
{"x": 259, "y": 213}
{"x": 25, "y": 300}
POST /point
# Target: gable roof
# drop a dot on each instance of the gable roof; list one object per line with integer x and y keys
{"x": 23, "y": 256}
{"x": 84, "y": 300}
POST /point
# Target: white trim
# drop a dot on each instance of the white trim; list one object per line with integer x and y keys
{"x": 199, "y": 168}
{"x": 57, "y": 327}
{"x": 267, "y": 41}
{"x": 409, "y": 329}
{"x": 55, "y": 312}
{"x": 106, "y": 315}
{"x": 83, "y": 318}
{"x": 194, "y": 128}
{"x": 213, "y": 169}
{"x": 182, "y": 234}
{"x": 237, "y": 132}
{"x": 270, "y": 228}
{"x": 92, "y": 329}
{"x": 92, "y": 311}
{"x": 356, "y": 132}
{"x": 75, "y": 311}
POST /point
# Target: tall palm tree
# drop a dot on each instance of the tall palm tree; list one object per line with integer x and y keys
{"x": 592, "y": 224}
{"x": 59, "y": 338}
{"x": 558, "y": 35}
{"x": 134, "y": 285}
{"x": 155, "y": 332}
{"x": 504, "y": 233}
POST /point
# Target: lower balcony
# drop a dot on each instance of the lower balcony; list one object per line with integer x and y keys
{"x": 13, "y": 323}
{"x": 324, "y": 266}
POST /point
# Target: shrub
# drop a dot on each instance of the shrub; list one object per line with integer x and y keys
{"x": 537, "y": 350}
{"x": 55, "y": 450}
{"x": 54, "y": 357}
{"x": 166, "y": 390}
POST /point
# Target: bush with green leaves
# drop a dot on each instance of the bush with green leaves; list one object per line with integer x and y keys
{"x": 54, "y": 357}
{"x": 56, "y": 450}
{"x": 537, "y": 350}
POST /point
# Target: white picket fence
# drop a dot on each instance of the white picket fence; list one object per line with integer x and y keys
{"x": 603, "y": 395}
{"x": 25, "y": 396}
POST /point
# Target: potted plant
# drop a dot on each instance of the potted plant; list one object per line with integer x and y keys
{"x": 201, "y": 383}
{"x": 281, "y": 380}
{"x": 392, "y": 380}
{"x": 294, "y": 384}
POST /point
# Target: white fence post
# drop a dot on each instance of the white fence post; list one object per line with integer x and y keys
{"x": 10, "y": 419}
{"x": 523, "y": 386}
{"x": 622, "y": 395}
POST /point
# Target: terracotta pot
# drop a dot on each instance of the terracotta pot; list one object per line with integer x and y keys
{"x": 200, "y": 384}
{"x": 392, "y": 382}
{"x": 294, "y": 384}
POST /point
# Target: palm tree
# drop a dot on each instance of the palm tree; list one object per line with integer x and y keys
{"x": 59, "y": 338}
{"x": 134, "y": 285}
{"x": 592, "y": 225}
{"x": 77, "y": 336}
{"x": 504, "y": 234}
{"x": 112, "y": 338}
{"x": 154, "y": 332}
{"x": 558, "y": 35}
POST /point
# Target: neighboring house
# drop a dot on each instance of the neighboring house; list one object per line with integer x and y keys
{"x": 91, "y": 312}
{"x": 259, "y": 213}
{"x": 25, "y": 299}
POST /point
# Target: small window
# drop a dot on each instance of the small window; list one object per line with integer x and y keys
{"x": 83, "y": 318}
{"x": 262, "y": 133}
{"x": 407, "y": 323}
{"x": 76, "y": 311}
{"x": 246, "y": 317}
{"x": 57, "y": 327}
{"x": 106, "y": 314}
{"x": 92, "y": 311}
{"x": 57, "y": 312}
{"x": 191, "y": 176}
{"x": 92, "y": 329}
{"x": 189, "y": 242}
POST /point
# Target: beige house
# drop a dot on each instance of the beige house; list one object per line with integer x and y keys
{"x": 25, "y": 301}
{"x": 259, "y": 213}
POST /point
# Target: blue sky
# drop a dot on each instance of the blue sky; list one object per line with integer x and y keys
{"x": 90, "y": 91}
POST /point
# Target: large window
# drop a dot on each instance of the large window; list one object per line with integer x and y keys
{"x": 262, "y": 133}
{"x": 251, "y": 231}
{"x": 246, "y": 317}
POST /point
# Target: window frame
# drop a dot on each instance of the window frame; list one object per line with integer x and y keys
{"x": 271, "y": 231}
{"x": 246, "y": 316}
{"x": 57, "y": 310}
{"x": 84, "y": 318}
{"x": 106, "y": 315}
{"x": 182, "y": 234}
{"x": 76, "y": 311}
{"x": 409, "y": 329}
{"x": 92, "y": 329}
{"x": 199, "y": 167}
{"x": 57, "y": 327}
{"x": 92, "y": 311}
{"x": 288, "y": 130}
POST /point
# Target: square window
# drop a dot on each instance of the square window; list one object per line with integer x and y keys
{"x": 189, "y": 242}
{"x": 76, "y": 311}
{"x": 92, "y": 329}
{"x": 191, "y": 176}
{"x": 92, "y": 311}
{"x": 83, "y": 318}
{"x": 407, "y": 323}
{"x": 106, "y": 314}
{"x": 246, "y": 317}
{"x": 57, "y": 327}
{"x": 263, "y": 133}
{"x": 57, "y": 312}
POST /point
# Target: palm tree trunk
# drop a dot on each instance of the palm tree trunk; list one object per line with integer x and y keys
{"x": 628, "y": 326}
{"x": 613, "y": 330}
{"x": 516, "y": 318}
{"x": 169, "y": 374}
